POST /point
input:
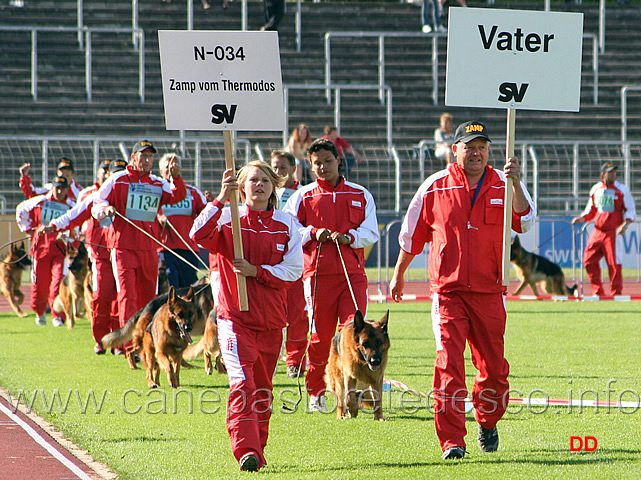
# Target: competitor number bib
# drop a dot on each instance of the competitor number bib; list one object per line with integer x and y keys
{"x": 181, "y": 208}
{"x": 51, "y": 211}
{"x": 143, "y": 201}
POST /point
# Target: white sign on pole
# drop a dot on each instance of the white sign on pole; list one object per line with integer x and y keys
{"x": 517, "y": 59}
{"x": 221, "y": 80}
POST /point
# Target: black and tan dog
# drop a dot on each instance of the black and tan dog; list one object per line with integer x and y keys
{"x": 208, "y": 346}
{"x": 71, "y": 296}
{"x": 135, "y": 327}
{"x": 357, "y": 360}
{"x": 167, "y": 338}
{"x": 533, "y": 269}
{"x": 11, "y": 276}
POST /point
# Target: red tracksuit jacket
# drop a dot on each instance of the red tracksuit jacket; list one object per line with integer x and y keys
{"x": 272, "y": 243}
{"x": 346, "y": 208}
{"x": 138, "y": 197}
{"x": 466, "y": 242}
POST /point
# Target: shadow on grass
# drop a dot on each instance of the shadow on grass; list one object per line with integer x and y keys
{"x": 472, "y": 459}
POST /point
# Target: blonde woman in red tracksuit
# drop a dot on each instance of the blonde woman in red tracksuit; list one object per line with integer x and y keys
{"x": 459, "y": 211}
{"x": 251, "y": 340}
{"x": 332, "y": 212}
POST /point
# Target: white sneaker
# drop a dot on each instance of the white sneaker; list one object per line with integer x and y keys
{"x": 317, "y": 404}
{"x": 442, "y": 28}
{"x": 41, "y": 319}
{"x": 427, "y": 29}
{"x": 57, "y": 322}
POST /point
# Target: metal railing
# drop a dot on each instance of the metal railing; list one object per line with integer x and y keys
{"x": 434, "y": 58}
{"x": 337, "y": 103}
{"x": 558, "y": 173}
{"x": 138, "y": 33}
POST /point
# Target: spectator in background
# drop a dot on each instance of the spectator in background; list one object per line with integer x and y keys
{"x": 284, "y": 165}
{"x": 334, "y": 214}
{"x": 274, "y": 13}
{"x": 65, "y": 169}
{"x": 299, "y": 142}
{"x": 47, "y": 250}
{"x": 434, "y": 14}
{"x": 345, "y": 150}
{"x": 611, "y": 206}
{"x": 176, "y": 221}
{"x": 443, "y": 140}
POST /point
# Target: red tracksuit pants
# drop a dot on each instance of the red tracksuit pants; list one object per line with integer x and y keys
{"x": 46, "y": 275}
{"x": 136, "y": 275}
{"x": 250, "y": 358}
{"x": 479, "y": 319}
{"x": 297, "y": 326}
{"x": 329, "y": 303}
{"x": 104, "y": 302}
{"x": 603, "y": 244}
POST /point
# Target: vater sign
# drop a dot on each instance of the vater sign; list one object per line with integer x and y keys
{"x": 514, "y": 59}
{"x": 218, "y": 80}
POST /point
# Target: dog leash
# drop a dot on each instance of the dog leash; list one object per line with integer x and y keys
{"x": 11, "y": 243}
{"x": 552, "y": 237}
{"x": 186, "y": 244}
{"x": 349, "y": 284}
{"x": 155, "y": 240}
{"x": 312, "y": 326}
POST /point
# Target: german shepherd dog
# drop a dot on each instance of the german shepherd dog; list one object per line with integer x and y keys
{"x": 71, "y": 296}
{"x": 208, "y": 346}
{"x": 169, "y": 334}
{"x": 135, "y": 327}
{"x": 357, "y": 359}
{"x": 532, "y": 269}
{"x": 11, "y": 276}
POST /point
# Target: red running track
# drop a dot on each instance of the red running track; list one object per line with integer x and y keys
{"x": 32, "y": 450}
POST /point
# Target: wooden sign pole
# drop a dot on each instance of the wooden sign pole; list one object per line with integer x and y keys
{"x": 235, "y": 222}
{"x": 507, "y": 202}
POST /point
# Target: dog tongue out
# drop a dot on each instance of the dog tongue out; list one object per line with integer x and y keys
{"x": 187, "y": 337}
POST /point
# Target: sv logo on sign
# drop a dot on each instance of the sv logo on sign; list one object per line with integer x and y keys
{"x": 220, "y": 113}
{"x": 510, "y": 90}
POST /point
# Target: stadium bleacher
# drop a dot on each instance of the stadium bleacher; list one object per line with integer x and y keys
{"x": 116, "y": 109}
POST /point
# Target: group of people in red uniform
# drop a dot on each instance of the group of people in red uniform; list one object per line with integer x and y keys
{"x": 304, "y": 267}
{"x": 118, "y": 215}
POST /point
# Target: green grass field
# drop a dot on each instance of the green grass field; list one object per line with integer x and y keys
{"x": 554, "y": 349}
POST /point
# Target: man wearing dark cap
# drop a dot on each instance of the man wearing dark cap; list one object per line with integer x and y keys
{"x": 47, "y": 251}
{"x": 104, "y": 305}
{"x": 64, "y": 169}
{"x": 459, "y": 211}
{"x": 611, "y": 206}
{"x": 133, "y": 198}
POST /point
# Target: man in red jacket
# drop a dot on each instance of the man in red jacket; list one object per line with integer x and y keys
{"x": 611, "y": 206}
{"x": 334, "y": 214}
{"x": 459, "y": 211}
{"x": 176, "y": 221}
{"x": 133, "y": 198}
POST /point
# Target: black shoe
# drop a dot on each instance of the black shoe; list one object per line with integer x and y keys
{"x": 488, "y": 439}
{"x": 454, "y": 453}
{"x": 249, "y": 462}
